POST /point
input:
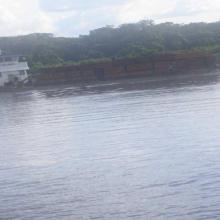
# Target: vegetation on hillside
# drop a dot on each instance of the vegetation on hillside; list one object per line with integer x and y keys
{"x": 127, "y": 40}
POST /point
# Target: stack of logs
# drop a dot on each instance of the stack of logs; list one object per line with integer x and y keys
{"x": 159, "y": 64}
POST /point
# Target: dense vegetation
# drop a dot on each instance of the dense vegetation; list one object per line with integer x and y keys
{"x": 127, "y": 40}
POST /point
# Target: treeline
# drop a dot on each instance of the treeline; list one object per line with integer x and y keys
{"x": 127, "y": 40}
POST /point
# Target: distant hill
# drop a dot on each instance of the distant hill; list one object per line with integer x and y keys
{"x": 127, "y": 40}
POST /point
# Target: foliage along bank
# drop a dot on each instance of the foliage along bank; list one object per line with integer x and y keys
{"x": 106, "y": 43}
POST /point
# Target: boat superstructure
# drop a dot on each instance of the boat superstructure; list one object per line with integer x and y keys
{"x": 13, "y": 70}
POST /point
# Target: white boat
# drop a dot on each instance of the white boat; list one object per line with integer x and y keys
{"x": 13, "y": 70}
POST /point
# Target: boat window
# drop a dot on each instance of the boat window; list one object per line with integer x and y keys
{"x": 8, "y": 59}
{"x": 21, "y": 59}
{"x": 0, "y": 75}
{"x": 14, "y": 59}
{"x": 22, "y": 72}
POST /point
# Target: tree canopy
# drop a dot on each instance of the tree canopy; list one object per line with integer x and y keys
{"x": 126, "y": 40}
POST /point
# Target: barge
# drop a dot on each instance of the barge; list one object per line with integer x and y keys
{"x": 115, "y": 69}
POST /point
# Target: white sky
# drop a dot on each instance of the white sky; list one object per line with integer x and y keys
{"x": 71, "y": 17}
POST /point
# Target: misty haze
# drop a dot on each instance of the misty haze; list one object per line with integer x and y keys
{"x": 109, "y": 110}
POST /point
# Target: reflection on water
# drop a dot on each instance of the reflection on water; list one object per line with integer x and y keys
{"x": 121, "y": 150}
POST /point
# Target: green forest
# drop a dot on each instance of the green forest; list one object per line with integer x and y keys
{"x": 127, "y": 40}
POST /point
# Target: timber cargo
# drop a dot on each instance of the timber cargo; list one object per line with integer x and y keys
{"x": 160, "y": 64}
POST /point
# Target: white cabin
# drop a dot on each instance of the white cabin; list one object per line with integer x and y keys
{"x": 13, "y": 70}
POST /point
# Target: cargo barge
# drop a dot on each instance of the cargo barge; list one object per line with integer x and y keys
{"x": 115, "y": 69}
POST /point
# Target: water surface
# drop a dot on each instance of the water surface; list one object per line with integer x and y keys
{"x": 144, "y": 149}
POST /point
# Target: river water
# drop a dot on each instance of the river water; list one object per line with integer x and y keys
{"x": 143, "y": 149}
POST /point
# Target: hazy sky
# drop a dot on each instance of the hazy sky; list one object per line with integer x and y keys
{"x": 74, "y": 17}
